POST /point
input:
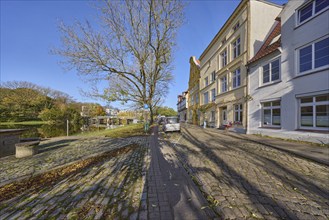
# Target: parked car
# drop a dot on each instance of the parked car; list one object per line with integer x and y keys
{"x": 161, "y": 120}
{"x": 171, "y": 124}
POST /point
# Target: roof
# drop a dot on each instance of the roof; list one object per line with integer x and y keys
{"x": 230, "y": 20}
{"x": 196, "y": 61}
{"x": 271, "y": 44}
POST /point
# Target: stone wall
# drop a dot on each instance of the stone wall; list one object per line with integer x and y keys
{"x": 8, "y": 139}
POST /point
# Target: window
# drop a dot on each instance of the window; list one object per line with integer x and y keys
{"x": 236, "y": 78}
{"x": 223, "y": 84}
{"x": 197, "y": 99}
{"x": 213, "y": 95}
{"x": 314, "y": 112}
{"x": 224, "y": 58}
{"x": 213, "y": 76}
{"x": 205, "y": 98}
{"x": 311, "y": 9}
{"x": 212, "y": 116}
{"x": 236, "y": 26}
{"x": 314, "y": 56}
{"x": 206, "y": 83}
{"x": 224, "y": 41}
{"x": 271, "y": 113}
{"x": 192, "y": 100}
{"x": 271, "y": 71}
{"x": 236, "y": 48}
{"x": 238, "y": 113}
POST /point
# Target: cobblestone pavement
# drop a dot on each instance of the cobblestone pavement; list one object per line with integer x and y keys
{"x": 245, "y": 180}
{"x": 110, "y": 189}
{"x": 55, "y": 153}
{"x": 170, "y": 191}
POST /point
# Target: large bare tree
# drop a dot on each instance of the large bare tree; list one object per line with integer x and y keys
{"x": 131, "y": 49}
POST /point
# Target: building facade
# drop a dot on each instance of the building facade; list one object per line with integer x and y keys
{"x": 290, "y": 85}
{"x": 223, "y": 75}
{"x": 182, "y": 104}
{"x": 193, "y": 112}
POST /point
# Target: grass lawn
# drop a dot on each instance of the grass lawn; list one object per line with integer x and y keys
{"x": 120, "y": 132}
{"x": 23, "y": 123}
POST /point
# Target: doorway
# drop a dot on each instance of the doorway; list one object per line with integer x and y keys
{"x": 224, "y": 116}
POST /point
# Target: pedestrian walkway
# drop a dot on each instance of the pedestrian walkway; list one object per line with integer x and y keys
{"x": 248, "y": 179}
{"x": 314, "y": 152}
{"x": 171, "y": 192}
{"x": 105, "y": 180}
{"x": 310, "y": 151}
{"x": 57, "y": 152}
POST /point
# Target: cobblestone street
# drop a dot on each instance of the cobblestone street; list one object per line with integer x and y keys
{"x": 112, "y": 188}
{"x": 243, "y": 179}
{"x": 196, "y": 174}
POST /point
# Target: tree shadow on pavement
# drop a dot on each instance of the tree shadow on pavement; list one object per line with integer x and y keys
{"x": 285, "y": 175}
{"x": 235, "y": 179}
{"x": 106, "y": 188}
{"x": 55, "y": 145}
{"x": 170, "y": 189}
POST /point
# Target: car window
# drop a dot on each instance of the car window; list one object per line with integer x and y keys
{"x": 172, "y": 120}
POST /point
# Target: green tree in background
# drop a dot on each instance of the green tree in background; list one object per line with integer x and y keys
{"x": 166, "y": 111}
{"x": 25, "y": 101}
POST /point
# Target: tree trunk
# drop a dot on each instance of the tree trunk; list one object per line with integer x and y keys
{"x": 151, "y": 115}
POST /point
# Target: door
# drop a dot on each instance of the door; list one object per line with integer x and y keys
{"x": 224, "y": 116}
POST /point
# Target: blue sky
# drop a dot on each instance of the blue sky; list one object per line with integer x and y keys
{"x": 29, "y": 31}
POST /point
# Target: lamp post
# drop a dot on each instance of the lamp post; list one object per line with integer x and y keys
{"x": 146, "y": 124}
{"x": 67, "y": 127}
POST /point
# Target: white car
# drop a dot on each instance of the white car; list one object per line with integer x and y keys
{"x": 171, "y": 124}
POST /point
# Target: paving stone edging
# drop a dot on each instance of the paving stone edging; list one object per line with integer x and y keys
{"x": 196, "y": 179}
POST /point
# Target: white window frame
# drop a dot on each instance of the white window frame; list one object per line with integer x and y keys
{"x": 224, "y": 40}
{"x": 235, "y": 76}
{"x": 213, "y": 116}
{"x": 261, "y": 78}
{"x": 313, "y": 69}
{"x": 222, "y": 85}
{"x": 240, "y": 113}
{"x": 314, "y": 14}
{"x": 271, "y": 107}
{"x": 213, "y": 76}
{"x": 223, "y": 56}
{"x": 236, "y": 47}
{"x": 213, "y": 94}
{"x": 314, "y": 103}
{"x": 205, "y": 94}
{"x": 236, "y": 26}
{"x": 206, "y": 81}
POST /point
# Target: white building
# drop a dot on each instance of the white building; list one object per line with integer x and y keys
{"x": 289, "y": 85}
